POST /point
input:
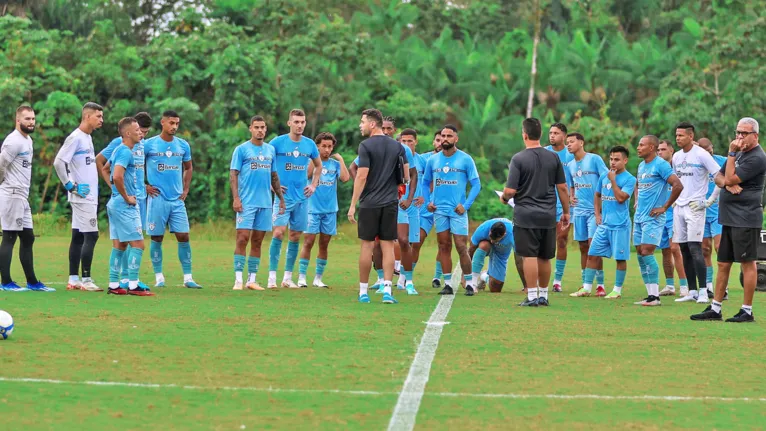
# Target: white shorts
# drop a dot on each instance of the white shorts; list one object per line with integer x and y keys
{"x": 84, "y": 217}
{"x": 15, "y": 214}
{"x": 688, "y": 225}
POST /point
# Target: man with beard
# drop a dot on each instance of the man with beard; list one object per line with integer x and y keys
{"x": 671, "y": 252}
{"x": 427, "y": 218}
{"x": 15, "y": 213}
{"x": 557, "y": 136}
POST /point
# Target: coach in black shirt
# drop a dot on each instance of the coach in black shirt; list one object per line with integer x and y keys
{"x": 376, "y": 187}
{"x": 535, "y": 176}
{"x": 740, "y": 213}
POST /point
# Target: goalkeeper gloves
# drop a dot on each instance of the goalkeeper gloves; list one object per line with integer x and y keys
{"x": 81, "y": 190}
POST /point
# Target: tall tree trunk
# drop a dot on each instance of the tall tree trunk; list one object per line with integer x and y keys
{"x": 533, "y": 73}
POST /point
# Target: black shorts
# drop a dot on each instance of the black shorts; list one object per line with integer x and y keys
{"x": 739, "y": 244}
{"x": 378, "y": 222}
{"x": 539, "y": 243}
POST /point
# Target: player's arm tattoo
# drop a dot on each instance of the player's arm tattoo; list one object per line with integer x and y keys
{"x": 276, "y": 186}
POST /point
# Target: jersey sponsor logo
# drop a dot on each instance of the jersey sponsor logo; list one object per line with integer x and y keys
{"x": 26, "y": 163}
{"x": 441, "y": 182}
{"x": 161, "y": 167}
{"x": 89, "y": 161}
{"x": 608, "y": 198}
{"x": 577, "y": 186}
{"x": 138, "y": 153}
{"x": 642, "y": 186}
{"x": 327, "y": 183}
{"x": 254, "y": 166}
{"x": 293, "y": 167}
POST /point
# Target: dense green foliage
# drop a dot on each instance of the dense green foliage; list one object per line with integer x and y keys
{"x": 611, "y": 69}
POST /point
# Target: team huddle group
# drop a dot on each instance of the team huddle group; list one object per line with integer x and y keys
{"x": 291, "y": 183}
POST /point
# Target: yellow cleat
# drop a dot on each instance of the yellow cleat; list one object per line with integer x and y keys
{"x": 254, "y": 286}
{"x": 580, "y": 293}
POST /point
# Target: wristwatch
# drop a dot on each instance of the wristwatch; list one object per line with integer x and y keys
{"x": 732, "y": 154}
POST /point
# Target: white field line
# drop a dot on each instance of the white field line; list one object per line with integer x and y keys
{"x": 408, "y": 404}
{"x": 376, "y": 393}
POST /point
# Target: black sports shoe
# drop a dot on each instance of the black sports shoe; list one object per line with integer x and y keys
{"x": 530, "y": 303}
{"x": 470, "y": 291}
{"x": 447, "y": 290}
{"x": 436, "y": 283}
{"x": 542, "y": 302}
{"x": 741, "y": 317}
{"x": 707, "y": 315}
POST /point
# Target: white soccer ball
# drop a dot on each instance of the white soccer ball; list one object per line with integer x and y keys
{"x": 6, "y": 325}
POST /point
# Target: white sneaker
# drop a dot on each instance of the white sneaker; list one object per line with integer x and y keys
{"x": 237, "y": 285}
{"x": 668, "y": 291}
{"x": 272, "y": 283}
{"x": 702, "y": 298}
{"x": 290, "y": 284}
{"x": 319, "y": 283}
{"x": 302, "y": 282}
{"x": 91, "y": 287}
{"x": 688, "y": 298}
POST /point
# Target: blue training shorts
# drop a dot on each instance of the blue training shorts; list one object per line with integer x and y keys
{"x": 252, "y": 218}
{"x": 411, "y": 217}
{"x": 326, "y": 223}
{"x": 162, "y": 213}
{"x": 611, "y": 243}
{"x": 648, "y": 232}
{"x": 456, "y": 224}
{"x": 667, "y": 236}
{"x": 124, "y": 220}
{"x": 296, "y": 215}
{"x": 712, "y": 228}
{"x": 584, "y": 227}
{"x": 426, "y": 223}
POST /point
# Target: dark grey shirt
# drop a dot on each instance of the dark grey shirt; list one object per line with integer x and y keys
{"x": 381, "y": 154}
{"x": 534, "y": 173}
{"x": 746, "y": 208}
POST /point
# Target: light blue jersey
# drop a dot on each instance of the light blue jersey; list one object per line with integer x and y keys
{"x": 585, "y": 176}
{"x": 506, "y": 245}
{"x": 420, "y": 165}
{"x": 450, "y": 176}
{"x": 652, "y": 188}
{"x": 255, "y": 163}
{"x": 123, "y": 156}
{"x": 615, "y": 215}
{"x": 293, "y": 159}
{"x": 325, "y": 198}
{"x": 125, "y": 221}
{"x": 565, "y": 156}
{"x": 164, "y": 165}
{"x": 424, "y": 208}
{"x": 411, "y": 162}
{"x": 712, "y": 211}
{"x": 138, "y": 156}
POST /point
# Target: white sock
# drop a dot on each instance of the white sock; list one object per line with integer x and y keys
{"x": 587, "y": 287}
{"x": 387, "y": 287}
{"x": 74, "y": 278}
{"x": 133, "y": 284}
{"x": 317, "y": 278}
{"x": 113, "y": 285}
{"x": 485, "y": 277}
{"x": 703, "y": 293}
{"x": 238, "y": 276}
{"x": 301, "y": 277}
{"x": 397, "y": 265}
{"x": 272, "y": 275}
{"x": 670, "y": 287}
{"x": 363, "y": 289}
{"x": 251, "y": 277}
{"x": 716, "y": 306}
{"x": 475, "y": 276}
{"x": 532, "y": 293}
{"x": 87, "y": 280}
{"x": 188, "y": 278}
{"x": 542, "y": 292}
{"x": 618, "y": 289}
{"x": 288, "y": 276}
{"x": 556, "y": 282}
{"x": 402, "y": 280}
{"x": 709, "y": 286}
{"x": 748, "y": 309}
{"x": 159, "y": 277}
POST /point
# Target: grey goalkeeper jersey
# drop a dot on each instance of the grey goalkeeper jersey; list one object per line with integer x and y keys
{"x": 16, "y": 165}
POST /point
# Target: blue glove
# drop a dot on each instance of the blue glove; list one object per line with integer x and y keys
{"x": 81, "y": 190}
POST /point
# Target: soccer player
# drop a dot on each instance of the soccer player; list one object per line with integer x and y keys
{"x": 493, "y": 238}
{"x": 654, "y": 176}
{"x": 408, "y": 218}
{"x": 15, "y": 213}
{"x": 323, "y": 208}
{"x": 612, "y": 237}
{"x": 557, "y": 135}
{"x": 76, "y": 168}
{"x": 125, "y": 227}
{"x": 693, "y": 165}
{"x": 450, "y": 172}
{"x": 144, "y": 121}
{"x": 427, "y": 218}
{"x": 671, "y": 252}
{"x": 585, "y": 170}
{"x": 712, "y": 236}
{"x": 169, "y": 173}
{"x": 294, "y": 153}
{"x": 252, "y": 177}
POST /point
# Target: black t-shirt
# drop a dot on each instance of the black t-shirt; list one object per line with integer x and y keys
{"x": 746, "y": 208}
{"x": 534, "y": 173}
{"x": 381, "y": 155}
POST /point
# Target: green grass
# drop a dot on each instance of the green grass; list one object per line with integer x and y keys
{"x": 323, "y": 340}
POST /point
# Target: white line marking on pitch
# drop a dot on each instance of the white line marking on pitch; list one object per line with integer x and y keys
{"x": 376, "y": 393}
{"x": 408, "y": 404}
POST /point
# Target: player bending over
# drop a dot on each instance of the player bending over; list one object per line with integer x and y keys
{"x": 612, "y": 237}
{"x": 493, "y": 238}
{"x": 252, "y": 177}
{"x": 323, "y": 208}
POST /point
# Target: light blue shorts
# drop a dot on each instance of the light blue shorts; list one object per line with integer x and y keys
{"x": 455, "y": 224}
{"x": 124, "y": 220}
{"x": 584, "y": 227}
{"x": 326, "y": 223}
{"x": 611, "y": 243}
{"x": 296, "y": 215}
{"x": 410, "y": 217}
{"x": 667, "y": 236}
{"x": 498, "y": 264}
{"x": 252, "y": 218}
{"x": 426, "y": 224}
{"x": 648, "y": 232}
{"x": 162, "y": 213}
{"x": 712, "y": 228}
{"x": 143, "y": 210}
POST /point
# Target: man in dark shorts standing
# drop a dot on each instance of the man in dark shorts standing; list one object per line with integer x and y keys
{"x": 740, "y": 214}
{"x": 376, "y": 188}
{"x": 535, "y": 175}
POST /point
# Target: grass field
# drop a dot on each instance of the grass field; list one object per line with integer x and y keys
{"x": 316, "y": 359}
